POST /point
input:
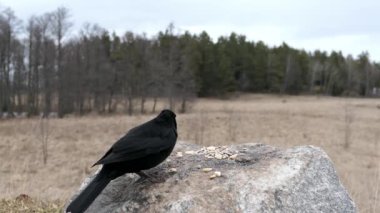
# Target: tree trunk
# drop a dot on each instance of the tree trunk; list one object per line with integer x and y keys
{"x": 142, "y": 105}
{"x": 154, "y": 104}
{"x": 130, "y": 105}
{"x": 110, "y": 110}
{"x": 183, "y": 105}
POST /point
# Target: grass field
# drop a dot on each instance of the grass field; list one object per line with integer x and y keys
{"x": 347, "y": 129}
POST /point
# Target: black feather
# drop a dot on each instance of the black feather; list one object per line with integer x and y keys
{"x": 143, "y": 147}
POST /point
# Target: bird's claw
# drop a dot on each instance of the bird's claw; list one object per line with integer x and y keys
{"x": 144, "y": 176}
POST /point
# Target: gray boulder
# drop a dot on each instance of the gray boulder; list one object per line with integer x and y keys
{"x": 243, "y": 178}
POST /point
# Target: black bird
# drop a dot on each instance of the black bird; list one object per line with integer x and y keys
{"x": 143, "y": 147}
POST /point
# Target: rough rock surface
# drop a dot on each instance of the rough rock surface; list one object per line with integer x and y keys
{"x": 237, "y": 178}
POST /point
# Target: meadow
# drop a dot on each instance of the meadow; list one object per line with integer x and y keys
{"x": 346, "y": 128}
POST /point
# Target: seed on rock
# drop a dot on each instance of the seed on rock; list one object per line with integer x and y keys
{"x": 190, "y": 152}
{"x": 218, "y": 156}
{"x": 172, "y": 170}
{"x": 213, "y": 176}
{"x": 207, "y": 169}
{"x": 233, "y": 157}
{"x": 217, "y": 174}
{"x": 179, "y": 154}
{"x": 211, "y": 148}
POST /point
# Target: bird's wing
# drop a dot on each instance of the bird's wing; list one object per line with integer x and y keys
{"x": 131, "y": 148}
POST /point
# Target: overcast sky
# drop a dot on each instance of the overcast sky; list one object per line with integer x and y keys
{"x": 346, "y": 25}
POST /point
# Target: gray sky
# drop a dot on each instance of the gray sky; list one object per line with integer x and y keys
{"x": 346, "y": 25}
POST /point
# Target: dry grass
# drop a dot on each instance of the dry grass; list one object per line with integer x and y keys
{"x": 76, "y": 143}
{"x": 23, "y": 203}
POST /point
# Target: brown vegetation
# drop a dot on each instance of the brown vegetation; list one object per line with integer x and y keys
{"x": 284, "y": 121}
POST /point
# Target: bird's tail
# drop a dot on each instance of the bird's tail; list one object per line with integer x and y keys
{"x": 88, "y": 195}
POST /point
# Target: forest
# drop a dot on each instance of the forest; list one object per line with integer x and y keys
{"x": 44, "y": 68}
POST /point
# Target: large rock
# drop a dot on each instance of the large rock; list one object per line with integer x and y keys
{"x": 252, "y": 178}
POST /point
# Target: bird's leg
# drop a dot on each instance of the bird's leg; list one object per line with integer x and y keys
{"x": 144, "y": 176}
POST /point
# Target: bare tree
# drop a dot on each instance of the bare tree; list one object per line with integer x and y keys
{"x": 115, "y": 84}
{"x": 171, "y": 56}
{"x": 19, "y": 76}
{"x": 185, "y": 81}
{"x": 157, "y": 67}
{"x": 35, "y": 53}
{"x": 30, "y": 96}
{"x": 143, "y": 46}
{"x": 129, "y": 69}
{"x": 9, "y": 25}
{"x": 60, "y": 27}
{"x": 47, "y": 61}
{"x": 175, "y": 54}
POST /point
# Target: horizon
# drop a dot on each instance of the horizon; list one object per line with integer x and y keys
{"x": 303, "y": 26}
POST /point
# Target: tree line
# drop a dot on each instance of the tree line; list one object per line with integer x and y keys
{"x": 44, "y": 69}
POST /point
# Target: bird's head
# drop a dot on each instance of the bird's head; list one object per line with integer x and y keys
{"x": 168, "y": 116}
